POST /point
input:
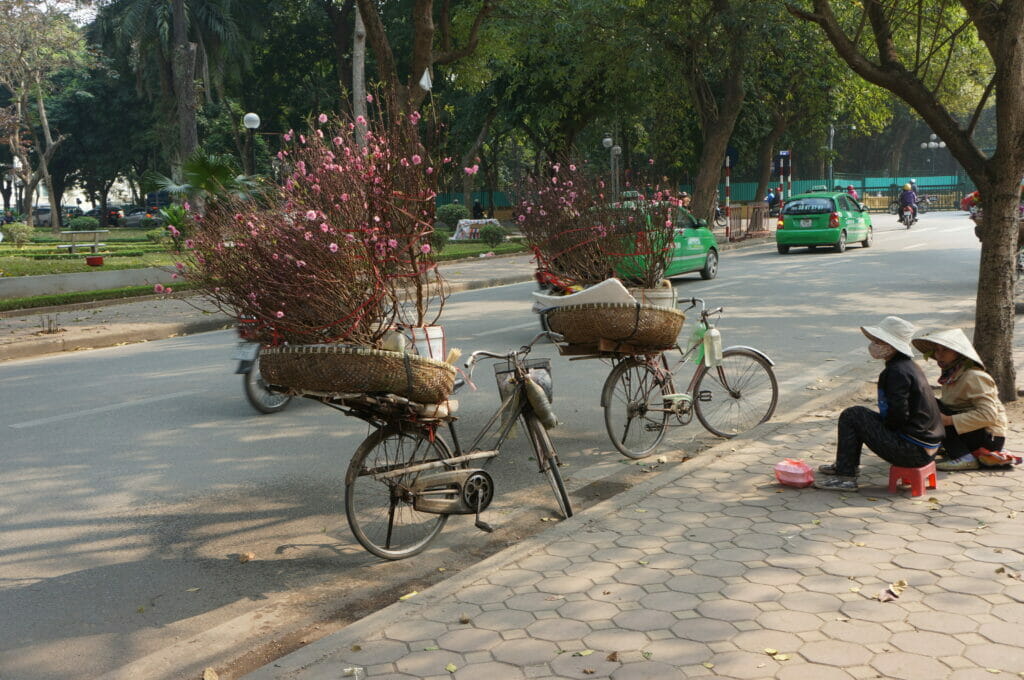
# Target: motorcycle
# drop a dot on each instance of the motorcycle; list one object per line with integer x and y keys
{"x": 907, "y": 216}
{"x": 720, "y": 219}
{"x": 247, "y": 353}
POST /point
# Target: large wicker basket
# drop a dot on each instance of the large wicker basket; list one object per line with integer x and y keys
{"x": 349, "y": 370}
{"x": 636, "y": 324}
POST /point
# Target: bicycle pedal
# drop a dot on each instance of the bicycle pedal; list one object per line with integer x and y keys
{"x": 483, "y": 526}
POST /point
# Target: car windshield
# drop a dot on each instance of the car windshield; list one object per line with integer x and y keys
{"x": 809, "y": 206}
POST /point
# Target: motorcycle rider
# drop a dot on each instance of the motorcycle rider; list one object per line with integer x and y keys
{"x": 773, "y": 199}
{"x": 909, "y": 197}
{"x": 853, "y": 192}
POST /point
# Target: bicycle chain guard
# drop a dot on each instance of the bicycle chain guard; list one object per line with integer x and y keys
{"x": 453, "y": 492}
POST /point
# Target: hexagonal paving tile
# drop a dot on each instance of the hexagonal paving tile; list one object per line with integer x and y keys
{"x": 613, "y": 640}
{"x": 558, "y": 630}
{"x": 485, "y": 593}
{"x": 489, "y": 670}
{"x": 803, "y": 671}
{"x": 859, "y": 632}
{"x": 728, "y": 610}
{"x": 644, "y": 620}
{"x": 593, "y": 666}
{"x": 424, "y": 664}
{"x": 1003, "y": 657}
{"x": 503, "y": 619}
{"x": 695, "y": 584}
{"x": 525, "y": 652}
{"x": 468, "y": 640}
{"x": 903, "y": 666}
{"x": 741, "y": 664}
{"x": 952, "y": 624}
{"x": 377, "y": 651}
{"x": 563, "y": 585}
{"x": 836, "y": 653}
{"x": 616, "y": 592}
{"x": 791, "y": 622}
{"x": 704, "y": 630}
{"x": 670, "y": 601}
{"x": 647, "y": 670}
{"x": 588, "y": 610}
{"x": 413, "y": 630}
{"x": 815, "y": 603}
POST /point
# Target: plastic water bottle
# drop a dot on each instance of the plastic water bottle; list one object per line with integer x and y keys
{"x": 712, "y": 347}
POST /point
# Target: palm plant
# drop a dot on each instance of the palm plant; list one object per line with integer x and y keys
{"x": 204, "y": 177}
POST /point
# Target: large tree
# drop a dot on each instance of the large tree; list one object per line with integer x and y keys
{"x": 36, "y": 42}
{"x": 180, "y": 51}
{"x": 438, "y": 33}
{"x": 912, "y": 48}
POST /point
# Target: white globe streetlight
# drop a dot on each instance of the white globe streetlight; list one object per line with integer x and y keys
{"x": 251, "y": 121}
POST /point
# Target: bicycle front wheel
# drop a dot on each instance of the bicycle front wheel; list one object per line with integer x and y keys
{"x": 380, "y": 509}
{"x": 737, "y": 395}
{"x": 634, "y": 408}
{"x": 548, "y": 461}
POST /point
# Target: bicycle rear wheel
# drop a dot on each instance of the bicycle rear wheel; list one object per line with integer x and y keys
{"x": 737, "y": 395}
{"x": 380, "y": 511}
{"x": 548, "y": 461}
{"x": 634, "y": 408}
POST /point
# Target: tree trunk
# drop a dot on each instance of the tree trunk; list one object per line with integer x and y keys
{"x": 184, "y": 66}
{"x": 994, "y": 310}
{"x": 764, "y": 155}
{"x": 467, "y": 159}
{"x": 359, "y": 75}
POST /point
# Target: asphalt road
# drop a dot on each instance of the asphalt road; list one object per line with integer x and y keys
{"x": 135, "y": 477}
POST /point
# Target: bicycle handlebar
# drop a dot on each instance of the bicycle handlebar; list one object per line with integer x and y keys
{"x": 511, "y": 354}
{"x": 704, "y": 311}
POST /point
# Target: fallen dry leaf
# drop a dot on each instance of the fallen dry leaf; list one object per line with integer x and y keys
{"x": 465, "y": 619}
{"x": 708, "y": 664}
{"x": 614, "y": 656}
{"x": 408, "y": 595}
{"x": 588, "y": 671}
{"x": 770, "y": 652}
{"x": 192, "y": 590}
{"x": 246, "y": 557}
{"x": 210, "y": 674}
{"x": 451, "y": 668}
{"x": 781, "y": 657}
{"x": 583, "y": 652}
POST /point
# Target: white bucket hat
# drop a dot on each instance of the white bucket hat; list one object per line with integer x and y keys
{"x": 954, "y": 339}
{"x": 892, "y": 330}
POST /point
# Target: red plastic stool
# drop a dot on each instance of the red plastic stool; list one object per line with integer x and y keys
{"x": 915, "y": 477}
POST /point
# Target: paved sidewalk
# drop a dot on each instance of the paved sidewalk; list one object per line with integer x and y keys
{"x": 713, "y": 570}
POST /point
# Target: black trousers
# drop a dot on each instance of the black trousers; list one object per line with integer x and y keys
{"x": 858, "y": 426}
{"x": 958, "y": 445}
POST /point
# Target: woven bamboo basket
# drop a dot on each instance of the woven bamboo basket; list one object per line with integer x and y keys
{"x": 338, "y": 369}
{"x": 636, "y": 324}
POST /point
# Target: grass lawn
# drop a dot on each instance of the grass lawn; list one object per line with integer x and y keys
{"x": 14, "y": 265}
{"x": 19, "y": 262}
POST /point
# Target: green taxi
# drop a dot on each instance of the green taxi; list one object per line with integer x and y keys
{"x": 823, "y": 219}
{"x": 694, "y": 249}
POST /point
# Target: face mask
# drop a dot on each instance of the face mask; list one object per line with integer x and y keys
{"x": 880, "y": 350}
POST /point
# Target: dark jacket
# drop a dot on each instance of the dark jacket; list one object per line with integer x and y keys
{"x": 907, "y": 403}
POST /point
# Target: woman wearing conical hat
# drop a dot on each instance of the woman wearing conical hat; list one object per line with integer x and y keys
{"x": 972, "y": 414}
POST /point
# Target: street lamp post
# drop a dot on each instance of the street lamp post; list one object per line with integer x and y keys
{"x": 933, "y": 143}
{"x": 251, "y": 121}
{"x": 831, "y": 140}
{"x": 615, "y": 152}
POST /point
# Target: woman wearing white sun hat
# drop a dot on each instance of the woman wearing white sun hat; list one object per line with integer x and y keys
{"x": 907, "y": 428}
{"x": 974, "y": 418}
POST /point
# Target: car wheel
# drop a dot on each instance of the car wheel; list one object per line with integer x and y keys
{"x": 840, "y": 246}
{"x": 710, "y": 269}
{"x": 812, "y": 248}
{"x": 782, "y": 249}
{"x": 866, "y": 243}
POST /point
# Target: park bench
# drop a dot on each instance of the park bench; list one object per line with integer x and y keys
{"x": 82, "y": 239}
